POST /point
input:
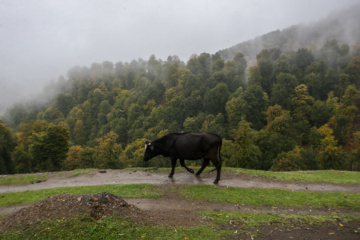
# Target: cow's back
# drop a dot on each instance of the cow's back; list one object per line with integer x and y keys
{"x": 194, "y": 146}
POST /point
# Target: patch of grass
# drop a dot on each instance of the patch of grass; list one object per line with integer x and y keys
{"x": 109, "y": 228}
{"x": 247, "y": 222}
{"x": 326, "y": 176}
{"x": 272, "y": 197}
{"x": 24, "y": 179}
{"x": 122, "y": 190}
{"x": 118, "y": 228}
{"x": 78, "y": 172}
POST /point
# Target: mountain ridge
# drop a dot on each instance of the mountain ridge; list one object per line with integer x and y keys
{"x": 341, "y": 26}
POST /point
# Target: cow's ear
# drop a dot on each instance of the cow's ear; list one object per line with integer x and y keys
{"x": 147, "y": 143}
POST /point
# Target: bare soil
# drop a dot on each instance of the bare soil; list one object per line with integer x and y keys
{"x": 173, "y": 209}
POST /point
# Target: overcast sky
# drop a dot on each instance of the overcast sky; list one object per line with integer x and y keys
{"x": 42, "y": 39}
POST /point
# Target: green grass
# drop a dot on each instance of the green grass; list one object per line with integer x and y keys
{"x": 79, "y": 172}
{"x": 272, "y": 197}
{"x": 109, "y": 228}
{"x": 247, "y": 222}
{"x": 25, "y": 179}
{"x": 118, "y": 228}
{"x": 325, "y": 176}
{"x": 122, "y": 190}
{"x": 253, "y": 220}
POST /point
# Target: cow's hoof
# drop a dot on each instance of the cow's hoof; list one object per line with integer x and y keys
{"x": 192, "y": 171}
{"x": 216, "y": 181}
{"x": 170, "y": 176}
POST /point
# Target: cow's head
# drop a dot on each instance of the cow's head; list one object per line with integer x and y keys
{"x": 150, "y": 151}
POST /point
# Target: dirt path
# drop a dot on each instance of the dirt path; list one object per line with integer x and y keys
{"x": 175, "y": 210}
{"x": 171, "y": 202}
{"x": 228, "y": 179}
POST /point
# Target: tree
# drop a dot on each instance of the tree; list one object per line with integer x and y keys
{"x": 49, "y": 149}
{"x": 277, "y": 137}
{"x": 313, "y": 81}
{"x": 303, "y": 58}
{"x": 236, "y": 109}
{"x": 345, "y": 112}
{"x": 283, "y": 89}
{"x": 72, "y": 160}
{"x": 257, "y": 101}
{"x": 265, "y": 60}
{"x": 330, "y": 154}
{"x": 246, "y": 153}
{"x": 193, "y": 124}
{"x": 7, "y": 144}
{"x": 297, "y": 159}
{"x": 302, "y": 107}
{"x": 235, "y": 72}
{"x": 87, "y": 157}
{"x": 216, "y": 98}
{"x": 215, "y": 124}
{"x": 108, "y": 152}
{"x": 320, "y": 114}
{"x": 353, "y": 70}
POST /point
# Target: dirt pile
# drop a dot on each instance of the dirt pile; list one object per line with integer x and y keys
{"x": 96, "y": 206}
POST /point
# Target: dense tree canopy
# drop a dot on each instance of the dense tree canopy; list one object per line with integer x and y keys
{"x": 289, "y": 111}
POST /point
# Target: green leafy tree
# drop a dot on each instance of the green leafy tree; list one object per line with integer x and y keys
{"x": 87, "y": 157}
{"x": 246, "y": 153}
{"x": 302, "y": 111}
{"x": 331, "y": 155}
{"x": 303, "y": 58}
{"x": 277, "y": 137}
{"x": 236, "y": 109}
{"x": 108, "y": 152}
{"x": 265, "y": 61}
{"x": 7, "y": 144}
{"x": 313, "y": 82}
{"x": 215, "y": 124}
{"x": 320, "y": 114}
{"x": 344, "y": 115}
{"x": 257, "y": 101}
{"x": 353, "y": 70}
{"x": 297, "y": 159}
{"x": 49, "y": 149}
{"x": 72, "y": 160}
{"x": 283, "y": 90}
{"x": 216, "y": 98}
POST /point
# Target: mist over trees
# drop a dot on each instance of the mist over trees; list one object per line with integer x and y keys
{"x": 342, "y": 26}
{"x": 277, "y": 106}
{"x": 290, "y": 111}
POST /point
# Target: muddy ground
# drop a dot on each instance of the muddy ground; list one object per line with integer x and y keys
{"x": 173, "y": 209}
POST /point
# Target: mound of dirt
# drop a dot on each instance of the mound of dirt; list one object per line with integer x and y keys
{"x": 67, "y": 205}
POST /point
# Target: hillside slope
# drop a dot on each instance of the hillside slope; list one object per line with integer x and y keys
{"x": 341, "y": 26}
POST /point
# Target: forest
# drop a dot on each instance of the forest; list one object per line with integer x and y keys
{"x": 293, "y": 110}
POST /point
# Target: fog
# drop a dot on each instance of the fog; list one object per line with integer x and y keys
{"x": 42, "y": 39}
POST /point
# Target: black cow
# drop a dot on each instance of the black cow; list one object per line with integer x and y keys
{"x": 187, "y": 146}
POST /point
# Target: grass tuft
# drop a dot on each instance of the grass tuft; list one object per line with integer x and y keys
{"x": 325, "y": 176}
{"x": 122, "y": 190}
{"x": 272, "y": 197}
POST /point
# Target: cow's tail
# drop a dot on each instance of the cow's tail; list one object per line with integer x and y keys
{"x": 220, "y": 160}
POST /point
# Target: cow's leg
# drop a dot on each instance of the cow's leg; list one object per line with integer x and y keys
{"x": 217, "y": 165}
{"x": 182, "y": 162}
{"x": 205, "y": 164}
{"x": 173, "y": 165}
